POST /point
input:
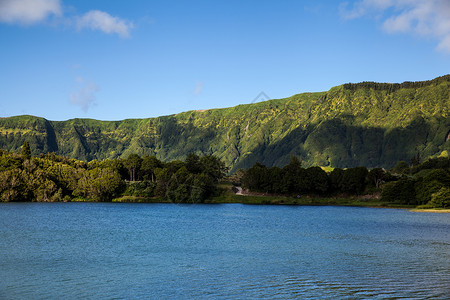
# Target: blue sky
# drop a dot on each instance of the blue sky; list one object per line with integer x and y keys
{"x": 113, "y": 60}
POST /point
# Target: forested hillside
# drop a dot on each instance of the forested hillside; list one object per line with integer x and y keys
{"x": 369, "y": 124}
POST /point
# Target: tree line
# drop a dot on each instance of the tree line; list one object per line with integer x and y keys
{"x": 50, "y": 177}
{"x": 392, "y": 87}
{"x": 426, "y": 184}
{"x": 295, "y": 180}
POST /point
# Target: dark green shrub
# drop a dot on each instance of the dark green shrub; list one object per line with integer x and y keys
{"x": 402, "y": 167}
{"x": 400, "y": 192}
{"x": 430, "y": 184}
{"x": 440, "y": 199}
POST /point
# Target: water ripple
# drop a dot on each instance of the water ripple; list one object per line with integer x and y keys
{"x": 105, "y": 251}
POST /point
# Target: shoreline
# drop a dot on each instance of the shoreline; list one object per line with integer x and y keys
{"x": 247, "y": 199}
{"x": 431, "y": 210}
{"x": 344, "y": 202}
{"x": 279, "y": 200}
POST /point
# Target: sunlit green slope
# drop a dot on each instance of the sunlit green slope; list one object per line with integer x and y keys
{"x": 371, "y": 124}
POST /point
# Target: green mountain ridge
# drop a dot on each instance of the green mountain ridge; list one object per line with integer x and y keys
{"x": 370, "y": 124}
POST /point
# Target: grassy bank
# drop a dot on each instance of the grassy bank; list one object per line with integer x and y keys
{"x": 227, "y": 196}
{"x": 272, "y": 200}
{"x": 280, "y": 200}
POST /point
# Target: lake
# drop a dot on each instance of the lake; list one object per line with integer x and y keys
{"x": 229, "y": 251}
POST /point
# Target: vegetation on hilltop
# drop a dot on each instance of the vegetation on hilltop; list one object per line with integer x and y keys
{"x": 392, "y": 87}
{"x": 370, "y": 124}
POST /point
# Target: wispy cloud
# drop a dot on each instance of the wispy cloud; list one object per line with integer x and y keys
{"x": 198, "y": 88}
{"x": 28, "y": 12}
{"x": 363, "y": 7}
{"x": 425, "y": 18}
{"x": 84, "y": 94}
{"x": 100, "y": 20}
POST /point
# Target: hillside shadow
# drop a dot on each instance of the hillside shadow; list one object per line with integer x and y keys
{"x": 339, "y": 143}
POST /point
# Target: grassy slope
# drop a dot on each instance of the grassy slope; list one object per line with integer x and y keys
{"x": 343, "y": 127}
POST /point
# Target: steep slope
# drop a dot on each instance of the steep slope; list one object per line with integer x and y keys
{"x": 371, "y": 124}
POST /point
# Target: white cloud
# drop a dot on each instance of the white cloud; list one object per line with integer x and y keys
{"x": 99, "y": 20}
{"x": 426, "y": 18}
{"x": 28, "y": 11}
{"x": 84, "y": 96}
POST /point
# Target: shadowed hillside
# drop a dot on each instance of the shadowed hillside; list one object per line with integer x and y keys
{"x": 371, "y": 124}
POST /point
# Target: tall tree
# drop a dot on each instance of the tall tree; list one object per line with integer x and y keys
{"x": 213, "y": 167}
{"x": 354, "y": 180}
{"x": 292, "y": 173}
{"x": 256, "y": 178}
{"x": 149, "y": 165}
{"x": 193, "y": 163}
{"x": 133, "y": 164}
{"x": 26, "y": 150}
{"x": 376, "y": 177}
{"x": 319, "y": 180}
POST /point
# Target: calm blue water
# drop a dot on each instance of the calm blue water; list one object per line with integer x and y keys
{"x": 232, "y": 251}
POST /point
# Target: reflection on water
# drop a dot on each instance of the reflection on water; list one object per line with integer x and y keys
{"x": 106, "y": 251}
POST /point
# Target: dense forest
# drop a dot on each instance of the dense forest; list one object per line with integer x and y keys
{"x": 365, "y": 124}
{"x": 52, "y": 178}
{"x": 424, "y": 184}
